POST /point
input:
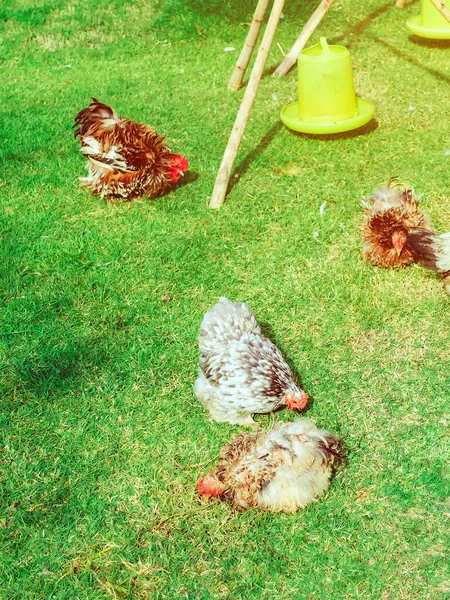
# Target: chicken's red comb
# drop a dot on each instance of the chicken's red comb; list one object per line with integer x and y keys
{"x": 292, "y": 401}
{"x": 180, "y": 162}
{"x": 304, "y": 398}
{"x": 209, "y": 486}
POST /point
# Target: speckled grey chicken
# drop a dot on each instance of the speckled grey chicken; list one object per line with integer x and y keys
{"x": 389, "y": 214}
{"x": 432, "y": 251}
{"x": 284, "y": 469}
{"x": 241, "y": 371}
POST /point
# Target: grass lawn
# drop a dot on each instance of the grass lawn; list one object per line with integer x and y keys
{"x": 102, "y": 438}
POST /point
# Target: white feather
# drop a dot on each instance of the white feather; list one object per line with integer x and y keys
{"x": 238, "y": 366}
{"x": 443, "y": 261}
{"x": 91, "y": 148}
{"x": 301, "y": 477}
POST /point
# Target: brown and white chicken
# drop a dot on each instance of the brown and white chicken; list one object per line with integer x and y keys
{"x": 125, "y": 159}
{"x": 241, "y": 371}
{"x": 389, "y": 214}
{"x": 284, "y": 469}
{"x": 432, "y": 251}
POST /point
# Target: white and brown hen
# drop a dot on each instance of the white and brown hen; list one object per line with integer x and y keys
{"x": 432, "y": 251}
{"x": 125, "y": 159}
{"x": 284, "y": 469}
{"x": 241, "y": 371}
{"x": 389, "y": 214}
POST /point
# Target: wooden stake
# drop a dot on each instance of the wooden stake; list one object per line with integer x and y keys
{"x": 442, "y": 8}
{"x": 249, "y": 45}
{"x": 307, "y": 31}
{"x": 223, "y": 177}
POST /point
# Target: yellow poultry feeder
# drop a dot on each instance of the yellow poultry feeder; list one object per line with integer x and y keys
{"x": 327, "y": 102}
{"x": 430, "y": 23}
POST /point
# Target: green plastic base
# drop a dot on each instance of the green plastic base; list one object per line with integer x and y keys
{"x": 289, "y": 116}
{"x": 413, "y": 24}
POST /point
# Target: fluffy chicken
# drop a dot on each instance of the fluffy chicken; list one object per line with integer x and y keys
{"x": 125, "y": 159}
{"x": 241, "y": 371}
{"x": 432, "y": 251}
{"x": 284, "y": 469}
{"x": 389, "y": 214}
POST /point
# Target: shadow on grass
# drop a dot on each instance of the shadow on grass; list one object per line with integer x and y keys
{"x": 198, "y": 17}
{"x": 345, "y": 135}
{"x": 189, "y": 177}
{"x": 267, "y": 71}
{"x": 270, "y": 135}
{"x": 428, "y": 43}
{"x": 257, "y": 150}
{"x": 411, "y": 59}
{"x": 52, "y": 370}
{"x": 356, "y": 30}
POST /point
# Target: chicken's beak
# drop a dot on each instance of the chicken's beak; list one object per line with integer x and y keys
{"x": 398, "y": 241}
{"x": 292, "y": 401}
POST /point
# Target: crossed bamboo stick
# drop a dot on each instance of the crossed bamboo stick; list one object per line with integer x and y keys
{"x": 224, "y": 174}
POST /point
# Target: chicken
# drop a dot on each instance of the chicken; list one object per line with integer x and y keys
{"x": 125, "y": 159}
{"x": 433, "y": 251}
{"x": 389, "y": 214}
{"x": 281, "y": 470}
{"x": 241, "y": 371}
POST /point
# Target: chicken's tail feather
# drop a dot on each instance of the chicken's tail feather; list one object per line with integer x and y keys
{"x": 390, "y": 195}
{"x": 112, "y": 159}
{"x": 444, "y": 258}
{"x": 331, "y": 448}
{"x": 327, "y": 447}
{"x": 93, "y": 114}
{"x": 225, "y": 322}
{"x": 425, "y": 245}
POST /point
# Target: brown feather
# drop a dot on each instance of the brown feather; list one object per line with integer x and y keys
{"x": 126, "y": 159}
{"x": 241, "y": 483}
{"x": 91, "y": 118}
{"x": 391, "y": 209}
{"x": 285, "y": 468}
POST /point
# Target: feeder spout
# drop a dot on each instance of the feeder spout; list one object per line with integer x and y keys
{"x": 324, "y": 44}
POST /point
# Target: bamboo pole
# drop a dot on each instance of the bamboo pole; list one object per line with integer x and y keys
{"x": 307, "y": 31}
{"x": 442, "y": 8}
{"x": 249, "y": 45}
{"x": 223, "y": 177}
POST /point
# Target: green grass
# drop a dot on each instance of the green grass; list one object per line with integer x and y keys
{"x": 102, "y": 439}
